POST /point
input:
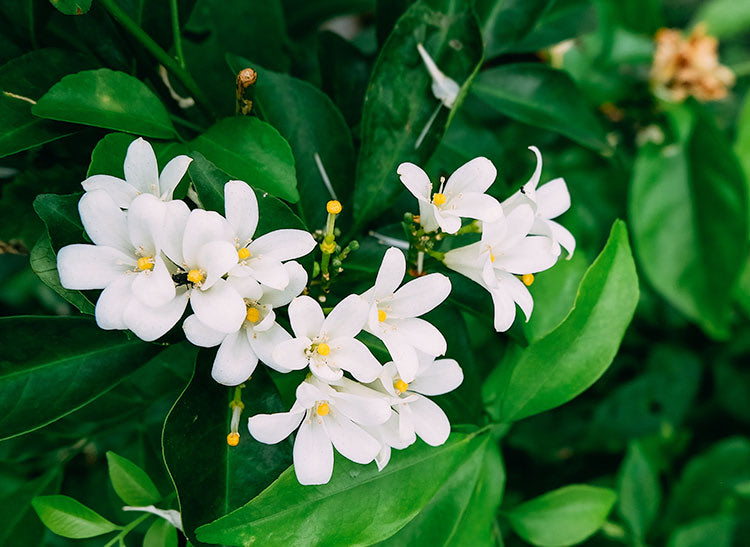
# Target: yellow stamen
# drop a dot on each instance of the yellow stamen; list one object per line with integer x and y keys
{"x": 195, "y": 276}
{"x": 527, "y": 279}
{"x": 323, "y": 409}
{"x": 333, "y": 207}
{"x": 439, "y": 199}
{"x": 324, "y": 349}
{"x": 243, "y": 253}
{"x": 382, "y": 316}
{"x": 253, "y": 314}
{"x": 400, "y": 386}
{"x": 233, "y": 439}
{"x": 492, "y": 257}
{"x": 146, "y": 263}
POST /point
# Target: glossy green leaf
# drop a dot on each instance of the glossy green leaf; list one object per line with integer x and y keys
{"x": 131, "y": 483}
{"x": 723, "y": 18}
{"x": 251, "y": 150}
{"x": 505, "y": 22}
{"x": 211, "y": 477}
{"x": 359, "y": 503}
{"x": 638, "y": 491}
{"x": 70, "y": 518}
{"x": 562, "y": 364}
{"x": 50, "y": 366}
{"x": 109, "y": 99}
{"x": 60, "y": 215}
{"x": 563, "y": 517}
{"x": 312, "y": 125}
{"x": 160, "y": 534}
{"x": 72, "y": 7}
{"x": 22, "y": 82}
{"x": 399, "y": 102}
{"x": 688, "y": 211}
{"x": 539, "y": 95}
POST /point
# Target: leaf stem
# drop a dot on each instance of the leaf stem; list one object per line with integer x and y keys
{"x": 126, "y": 530}
{"x": 176, "y": 36}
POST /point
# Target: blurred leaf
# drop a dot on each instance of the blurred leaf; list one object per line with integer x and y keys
{"x": 742, "y": 141}
{"x": 562, "y": 517}
{"x": 541, "y": 96}
{"x": 562, "y": 20}
{"x": 393, "y": 121}
{"x": 506, "y": 22}
{"x": 638, "y": 492}
{"x": 359, "y": 503}
{"x": 18, "y": 523}
{"x": 302, "y": 15}
{"x": 60, "y": 215}
{"x": 717, "y": 531}
{"x": 160, "y": 534}
{"x": 70, "y": 518}
{"x": 732, "y": 387}
{"x": 677, "y": 196}
{"x": 131, "y": 483}
{"x": 559, "y": 366}
{"x": 72, "y": 7}
{"x": 109, "y": 99}
{"x": 50, "y": 366}
{"x": 723, "y": 18}
{"x": 251, "y": 150}
{"x": 195, "y": 439}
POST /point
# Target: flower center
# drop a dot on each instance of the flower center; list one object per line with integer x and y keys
{"x": 243, "y": 253}
{"x": 323, "y": 409}
{"x": 400, "y": 386}
{"x": 324, "y": 349}
{"x": 333, "y": 207}
{"x": 253, "y": 314}
{"x": 439, "y": 198}
{"x": 146, "y": 263}
{"x": 382, "y": 316}
{"x": 527, "y": 279}
{"x": 195, "y": 276}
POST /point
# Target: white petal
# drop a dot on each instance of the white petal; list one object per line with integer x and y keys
{"x": 440, "y": 377}
{"x": 151, "y": 323}
{"x": 204, "y": 227}
{"x": 172, "y": 174}
{"x": 283, "y": 245}
{"x": 563, "y": 237}
{"x": 297, "y": 281}
{"x": 83, "y": 267}
{"x": 274, "y": 428}
{"x": 201, "y": 335}
{"x": 390, "y": 273}
{"x": 291, "y": 353}
{"x": 474, "y": 176}
{"x": 247, "y": 287}
{"x": 146, "y": 218}
{"x": 241, "y": 209}
{"x": 346, "y": 319}
{"x": 420, "y": 295}
{"x": 422, "y": 335}
{"x": 324, "y": 372}
{"x": 264, "y": 343}
{"x": 518, "y": 224}
{"x": 120, "y": 191}
{"x": 390, "y": 433}
{"x": 416, "y": 181}
{"x": 235, "y": 361}
{"x": 110, "y": 308}
{"x": 267, "y": 270}
{"x": 353, "y": 356}
{"x": 216, "y": 259}
{"x": 104, "y": 222}
{"x": 430, "y": 422}
{"x": 141, "y": 169}
{"x": 531, "y": 254}
{"x": 350, "y": 440}
{"x": 219, "y": 307}
{"x": 403, "y": 354}
{"x": 427, "y": 216}
{"x": 475, "y": 205}
{"x": 448, "y": 222}
{"x": 175, "y": 221}
{"x": 155, "y": 287}
{"x": 519, "y": 293}
{"x": 530, "y": 186}
{"x": 313, "y": 454}
{"x": 365, "y": 410}
{"x": 552, "y": 199}
{"x": 308, "y": 393}
{"x": 306, "y": 317}
{"x": 505, "y": 309}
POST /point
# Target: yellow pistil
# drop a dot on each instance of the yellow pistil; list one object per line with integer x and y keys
{"x": 146, "y": 263}
{"x": 439, "y": 199}
{"x": 195, "y": 276}
{"x": 253, "y": 314}
{"x": 324, "y": 349}
{"x": 492, "y": 257}
{"x": 243, "y": 253}
{"x": 400, "y": 386}
{"x": 323, "y": 409}
{"x": 382, "y": 316}
{"x": 333, "y": 207}
{"x": 328, "y": 247}
{"x": 527, "y": 279}
{"x": 233, "y": 439}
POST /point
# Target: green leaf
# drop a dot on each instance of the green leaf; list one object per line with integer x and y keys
{"x": 72, "y": 7}
{"x": 195, "y": 439}
{"x": 251, "y": 150}
{"x": 717, "y": 531}
{"x": 18, "y": 524}
{"x": 60, "y": 215}
{"x": 742, "y": 142}
{"x": 69, "y": 518}
{"x": 562, "y": 517}
{"x": 23, "y": 81}
{"x": 539, "y": 95}
{"x": 688, "y": 210}
{"x": 51, "y": 366}
{"x": 109, "y": 99}
{"x": 638, "y": 491}
{"x": 723, "y": 18}
{"x": 399, "y": 101}
{"x": 312, "y": 125}
{"x": 131, "y": 483}
{"x": 359, "y": 503}
{"x": 559, "y": 366}
{"x": 505, "y": 22}
{"x": 160, "y": 534}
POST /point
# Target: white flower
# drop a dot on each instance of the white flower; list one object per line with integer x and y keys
{"x": 393, "y": 315}
{"x": 548, "y": 201}
{"x": 327, "y": 344}
{"x": 462, "y": 196}
{"x": 504, "y": 250}
{"x": 126, "y": 262}
{"x": 329, "y": 417}
{"x": 141, "y": 176}
{"x": 260, "y": 258}
{"x": 444, "y": 88}
{"x": 259, "y": 334}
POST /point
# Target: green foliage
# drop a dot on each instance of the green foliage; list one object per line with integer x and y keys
{"x": 70, "y": 518}
{"x": 638, "y": 492}
{"x": 131, "y": 482}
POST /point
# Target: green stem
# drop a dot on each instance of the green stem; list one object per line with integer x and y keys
{"x": 127, "y": 529}
{"x": 161, "y": 56}
{"x": 177, "y": 37}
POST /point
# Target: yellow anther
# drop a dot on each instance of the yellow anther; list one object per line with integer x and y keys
{"x": 400, "y": 386}
{"x": 328, "y": 247}
{"x": 233, "y": 439}
{"x": 333, "y": 207}
{"x": 243, "y": 253}
{"x": 382, "y": 316}
{"x": 324, "y": 349}
{"x": 253, "y": 315}
{"x": 323, "y": 409}
{"x": 438, "y": 198}
{"x": 146, "y": 263}
{"x": 527, "y": 279}
{"x": 195, "y": 276}
{"x": 492, "y": 257}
